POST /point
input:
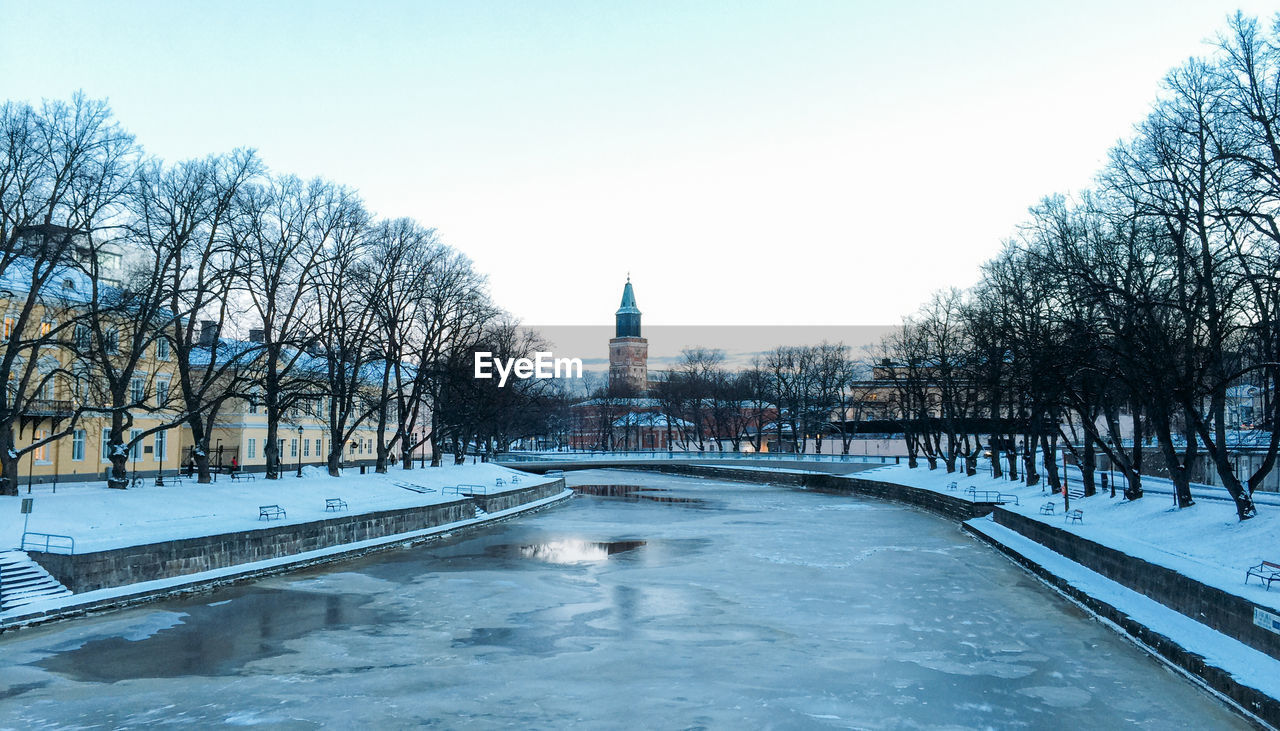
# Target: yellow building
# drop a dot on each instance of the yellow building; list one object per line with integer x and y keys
{"x": 64, "y": 389}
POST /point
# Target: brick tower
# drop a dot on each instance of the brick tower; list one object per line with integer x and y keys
{"x": 628, "y": 352}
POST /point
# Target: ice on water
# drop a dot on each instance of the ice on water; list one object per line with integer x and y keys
{"x": 758, "y": 606}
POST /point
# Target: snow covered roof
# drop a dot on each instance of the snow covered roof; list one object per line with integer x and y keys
{"x": 650, "y": 419}
{"x": 65, "y": 284}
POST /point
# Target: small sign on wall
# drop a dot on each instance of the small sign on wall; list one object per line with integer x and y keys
{"x": 1266, "y": 620}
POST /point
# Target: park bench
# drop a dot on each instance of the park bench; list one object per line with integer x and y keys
{"x": 952, "y": 486}
{"x": 335, "y": 504}
{"x": 1266, "y": 572}
{"x": 269, "y": 512}
{"x": 515, "y": 479}
{"x": 1075, "y": 516}
{"x": 1048, "y": 508}
{"x": 240, "y": 475}
{"x": 499, "y": 482}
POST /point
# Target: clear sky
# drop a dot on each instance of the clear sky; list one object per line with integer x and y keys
{"x": 748, "y": 162}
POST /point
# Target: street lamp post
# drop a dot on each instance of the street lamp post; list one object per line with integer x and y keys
{"x": 299, "y": 450}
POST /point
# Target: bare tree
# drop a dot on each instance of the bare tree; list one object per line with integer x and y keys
{"x": 64, "y": 169}
{"x": 284, "y": 235}
{"x": 183, "y": 214}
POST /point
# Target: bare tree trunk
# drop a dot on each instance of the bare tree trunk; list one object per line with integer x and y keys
{"x": 1088, "y": 465}
{"x": 119, "y": 456}
{"x": 8, "y": 463}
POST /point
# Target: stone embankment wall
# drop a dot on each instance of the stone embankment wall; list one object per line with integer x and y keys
{"x": 513, "y": 498}
{"x": 948, "y": 506}
{"x": 1227, "y": 613}
{"x": 84, "y": 572}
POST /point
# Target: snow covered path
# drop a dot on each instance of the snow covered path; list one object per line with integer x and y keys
{"x": 98, "y": 518}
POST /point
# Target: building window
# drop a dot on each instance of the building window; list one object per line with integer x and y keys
{"x": 293, "y": 447}
{"x": 135, "y": 444}
{"x": 162, "y": 391}
{"x": 46, "y": 328}
{"x": 318, "y": 452}
{"x": 41, "y": 453}
{"x": 162, "y": 349}
{"x": 8, "y": 327}
{"x": 106, "y": 445}
{"x": 306, "y": 447}
{"x": 82, "y": 337}
{"x": 279, "y": 449}
{"x": 138, "y": 390}
{"x": 252, "y": 449}
{"x": 111, "y": 340}
{"x": 162, "y": 443}
{"x": 77, "y": 445}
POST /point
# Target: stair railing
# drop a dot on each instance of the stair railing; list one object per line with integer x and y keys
{"x": 48, "y": 543}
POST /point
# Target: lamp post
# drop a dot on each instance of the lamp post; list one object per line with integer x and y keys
{"x": 299, "y": 450}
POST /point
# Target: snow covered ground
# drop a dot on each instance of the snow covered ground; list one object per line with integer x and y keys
{"x": 1204, "y": 542}
{"x": 99, "y": 518}
{"x": 1248, "y": 666}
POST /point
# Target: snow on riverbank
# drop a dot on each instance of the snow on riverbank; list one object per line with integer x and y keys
{"x": 1204, "y": 542}
{"x": 99, "y": 518}
{"x": 1246, "y": 665}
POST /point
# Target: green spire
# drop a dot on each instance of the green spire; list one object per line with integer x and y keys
{"x": 628, "y": 315}
{"x": 628, "y": 300}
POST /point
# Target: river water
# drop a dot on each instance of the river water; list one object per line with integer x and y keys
{"x": 656, "y": 602}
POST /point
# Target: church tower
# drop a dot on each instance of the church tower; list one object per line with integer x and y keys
{"x": 628, "y": 352}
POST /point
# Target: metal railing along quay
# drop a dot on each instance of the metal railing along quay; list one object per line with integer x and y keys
{"x": 48, "y": 543}
{"x": 694, "y": 456}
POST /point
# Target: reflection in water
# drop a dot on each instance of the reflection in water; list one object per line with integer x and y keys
{"x": 566, "y": 551}
{"x": 216, "y": 639}
{"x": 632, "y": 493}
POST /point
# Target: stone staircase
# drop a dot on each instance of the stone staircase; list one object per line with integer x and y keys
{"x": 480, "y": 512}
{"x": 23, "y": 581}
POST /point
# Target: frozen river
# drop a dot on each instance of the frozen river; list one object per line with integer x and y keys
{"x": 715, "y": 605}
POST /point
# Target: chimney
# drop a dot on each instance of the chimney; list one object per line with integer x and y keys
{"x": 208, "y": 333}
{"x": 257, "y": 335}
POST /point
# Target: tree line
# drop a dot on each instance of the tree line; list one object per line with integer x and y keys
{"x": 1140, "y": 306}
{"x": 140, "y": 288}
{"x": 790, "y": 394}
